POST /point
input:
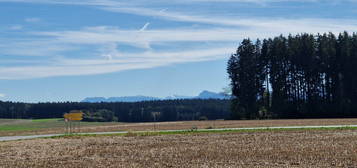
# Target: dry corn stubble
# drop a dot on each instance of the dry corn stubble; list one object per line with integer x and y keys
{"x": 258, "y": 149}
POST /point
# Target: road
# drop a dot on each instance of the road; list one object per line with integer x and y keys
{"x": 13, "y": 138}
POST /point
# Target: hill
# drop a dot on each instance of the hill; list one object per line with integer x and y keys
{"x": 203, "y": 95}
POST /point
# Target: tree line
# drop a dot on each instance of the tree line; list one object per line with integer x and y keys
{"x": 147, "y": 111}
{"x": 300, "y": 76}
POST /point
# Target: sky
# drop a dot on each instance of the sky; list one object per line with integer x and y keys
{"x": 62, "y": 50}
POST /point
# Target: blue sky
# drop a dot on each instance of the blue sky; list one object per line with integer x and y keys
{"x": 61, "y": 50}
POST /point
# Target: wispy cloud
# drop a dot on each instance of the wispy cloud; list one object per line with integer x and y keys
{"x": 254, "y": 28}
{"x": 32, "y": 20}
{"x": 65, "y": 2}
{"x": 97, "y": 48}
{"x": 2, "y": 95}
{"x": 136, "y": 38}
{"x": 33, "y": 47}
{"x": 70, "y": 67}
{"x": 141, "y": 7}
{"x": 120, "y": 2}
{"x": 16, "y": 27}
{"x": 107, "y": 39}
{"x": 304, "y": 24}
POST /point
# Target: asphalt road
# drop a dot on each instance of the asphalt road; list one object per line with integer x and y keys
{"x": 13, "y": 138}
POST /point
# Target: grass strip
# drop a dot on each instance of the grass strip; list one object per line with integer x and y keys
{"x": 15, "y": 128}
{"x": 47, "y": 120}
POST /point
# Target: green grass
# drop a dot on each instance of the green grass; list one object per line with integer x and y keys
{"x": 15, "y": 128}
{"x": 47, "y": 120}
{"x": 28, "y": 125}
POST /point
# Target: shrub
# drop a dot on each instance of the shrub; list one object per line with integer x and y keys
{"x": 102, "y": 115}
{"x": 202, "y": 118}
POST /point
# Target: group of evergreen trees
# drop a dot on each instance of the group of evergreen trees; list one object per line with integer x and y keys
{"x": 167, "y": 110}
{"x": 301, "y": 76}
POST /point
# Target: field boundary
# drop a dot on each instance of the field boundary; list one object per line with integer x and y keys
{"x": 187, "y": 131}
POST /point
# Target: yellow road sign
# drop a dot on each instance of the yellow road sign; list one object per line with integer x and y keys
{"x": 74, "y": 115}
{"x": 78, "y": 116}
{"x": 76, "y": 119}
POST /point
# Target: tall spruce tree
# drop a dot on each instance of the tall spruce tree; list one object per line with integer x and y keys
{"x": 245, "y": 68}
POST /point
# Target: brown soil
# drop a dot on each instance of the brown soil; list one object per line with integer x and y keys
{"x": 259, "y": 149}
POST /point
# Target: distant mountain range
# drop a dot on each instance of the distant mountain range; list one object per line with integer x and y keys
{"x": 203, "y": 95}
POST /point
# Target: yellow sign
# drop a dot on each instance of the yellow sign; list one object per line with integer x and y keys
{"x": 76, "y": 119}
{"x": 78, "y": 116}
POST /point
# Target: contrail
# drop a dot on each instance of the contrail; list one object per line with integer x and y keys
{"x": 145, "y": 27}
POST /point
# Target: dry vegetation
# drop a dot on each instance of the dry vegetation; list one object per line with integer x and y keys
{"x": 185, "y": 125}
{"x": 232, "y": 124}
{"x": 58, "y": 127}
{"x": 258, "y": 149}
